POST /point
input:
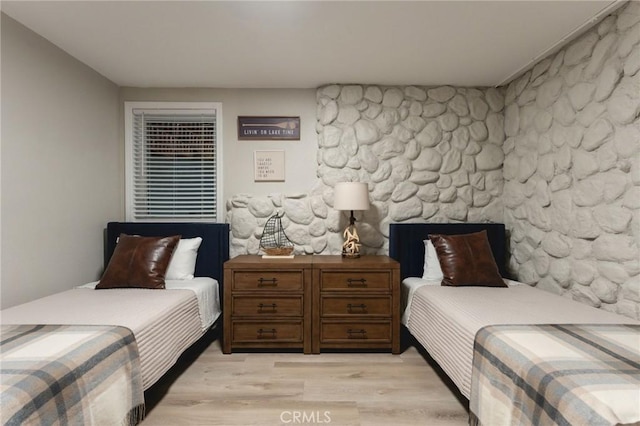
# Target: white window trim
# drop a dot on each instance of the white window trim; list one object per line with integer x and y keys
{"x": 128, "y": 151}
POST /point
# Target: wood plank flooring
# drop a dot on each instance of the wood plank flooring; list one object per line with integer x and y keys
{"x": 210, "y": 388}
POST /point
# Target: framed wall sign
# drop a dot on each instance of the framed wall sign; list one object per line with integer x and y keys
{"x": 268, "y": 166}
{"x": 268, "y": 128}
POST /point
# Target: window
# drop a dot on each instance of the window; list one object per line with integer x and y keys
{"x": 173, "y": 161}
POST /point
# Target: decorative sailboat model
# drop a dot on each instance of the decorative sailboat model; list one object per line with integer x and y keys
{"x": 274, "y": 241}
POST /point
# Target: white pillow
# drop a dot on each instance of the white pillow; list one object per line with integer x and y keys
{"x": 183, "y": 261}
{"x": 432, "y": 271}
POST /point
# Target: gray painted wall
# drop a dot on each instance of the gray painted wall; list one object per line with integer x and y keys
{"x": 61, "y": 179}
{"x": 237, "y": 164}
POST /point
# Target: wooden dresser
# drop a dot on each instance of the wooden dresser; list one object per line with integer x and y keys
{"x": 312, "y": 302}
{"x": 267, "y": 303}
{"x": 356, "y": 303}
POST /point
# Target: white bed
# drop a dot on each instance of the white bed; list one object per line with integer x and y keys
{"x": 519, "y": 354}
{"x": 445, "y": 320}
{"x": 164, "y": 323}
{"x": 145, "y": 328}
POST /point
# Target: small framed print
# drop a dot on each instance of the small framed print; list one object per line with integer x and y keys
{"x": 268, "y": 128}
{"x": 268, "y": 166}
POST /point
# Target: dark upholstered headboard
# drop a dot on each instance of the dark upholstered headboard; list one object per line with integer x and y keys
{"x": 213, "y": 251}
{"x": 406, "y": 243}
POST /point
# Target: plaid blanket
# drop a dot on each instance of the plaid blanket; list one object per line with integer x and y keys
{"x": 556, "y": 374}
{"x": 69, "y": 374}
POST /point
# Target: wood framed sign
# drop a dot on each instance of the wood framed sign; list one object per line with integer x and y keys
{"x": 268, "y": 128}
{"x": 268, "y": 166}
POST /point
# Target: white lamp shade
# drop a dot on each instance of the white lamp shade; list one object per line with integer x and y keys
{"x": 351, "y": 196}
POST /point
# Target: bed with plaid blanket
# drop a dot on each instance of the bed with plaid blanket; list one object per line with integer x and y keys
{"x": 69, "y": 374}
{"x": 556, "y": 374}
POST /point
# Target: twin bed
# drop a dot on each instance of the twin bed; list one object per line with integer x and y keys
{"x": 521, "y": 355}
{"x": 85, "y": 356}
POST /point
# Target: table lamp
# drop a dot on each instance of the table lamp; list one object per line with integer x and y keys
{"x": 351, "y": 196}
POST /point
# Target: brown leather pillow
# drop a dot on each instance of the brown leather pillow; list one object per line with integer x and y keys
{"x": 139, "y": 262}
{"x": 466, "y": 260}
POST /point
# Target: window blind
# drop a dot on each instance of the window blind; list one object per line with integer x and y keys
{"x": 174, "y": 165}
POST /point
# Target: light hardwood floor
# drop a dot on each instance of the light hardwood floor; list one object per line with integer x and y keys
{"x": 210, "y": 388}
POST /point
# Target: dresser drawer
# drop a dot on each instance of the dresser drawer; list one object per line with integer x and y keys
{"x": 355, "y": 306}
{"x": 355, "y": 332}
{"x": 267, "y": 331}
{"x": 267, "y": 306}
{"x": 267, "y": 281}
{"x": 355, "y": 281}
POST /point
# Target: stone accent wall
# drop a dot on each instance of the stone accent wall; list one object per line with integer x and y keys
{"x": 427, "y": 154}
{"x": 572, "y": 168}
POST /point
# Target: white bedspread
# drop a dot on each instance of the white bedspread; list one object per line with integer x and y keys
{"x": 408, "y": 289}
{"x": 445, "y": 320}
{"x": 164, "y": 322}
{"x": 206, "y": 290}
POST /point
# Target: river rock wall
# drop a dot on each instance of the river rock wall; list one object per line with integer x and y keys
{"x": 427, "y": 154}
{"x": 572, "y": 170}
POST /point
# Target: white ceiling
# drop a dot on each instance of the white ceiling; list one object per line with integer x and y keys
{"x": 305, "y": 44}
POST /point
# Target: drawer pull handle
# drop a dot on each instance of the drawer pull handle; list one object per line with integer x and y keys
{"x": 359, "y": 309}
{"x": 267, "y": 282}
{"x": 266, "y": 334}
{"x": 360, "y": 282}
{"x": 270, "y": 308}
{"x": 357, "y": 334}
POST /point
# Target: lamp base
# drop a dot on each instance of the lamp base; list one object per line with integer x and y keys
{"x": 351, "y": 245}
{"x": 350, "y": 255}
